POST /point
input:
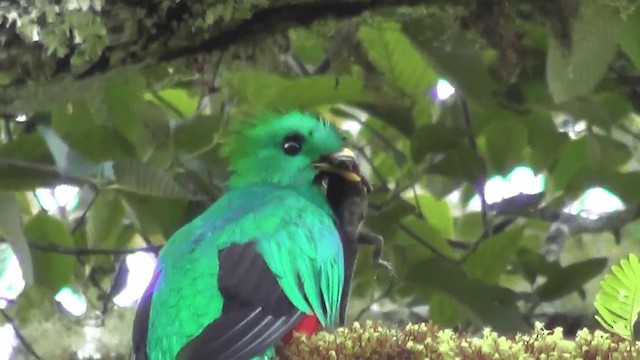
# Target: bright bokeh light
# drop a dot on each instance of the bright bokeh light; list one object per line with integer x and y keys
{"x": 141, "y": 266}
{"x": 521, "y": 180}
{"x": 444, "y": 90}
{"x": 351, "y": 126}
{"x": 11, "y": 282}
{"x": 21, "y": 118}
{"x": 89, "y": 350}
{"x": 66, "y": 196}
{"x": 7, "y": 341}
{"x": 74, "y": 302}
{"x": 594, "y": 203}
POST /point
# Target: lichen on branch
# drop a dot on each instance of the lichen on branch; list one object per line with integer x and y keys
{"x": 426, "y": 341}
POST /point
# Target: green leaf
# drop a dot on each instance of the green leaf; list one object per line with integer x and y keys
{"x": 618, "y": 300}
{"x": 307, "y": 45}
{"x": 155, "y": 216}
{"x": 570, "y": 278}
{"x": 80, "y": 131}
{"x": 576, "y": 155}
{"x": 443, "y": 310}
{"x": 452, "y": 53}
{"x": 534, "y": 264}
{"x": 437, "y": 213}
{"x": 434, "y": 138}
{"x": 628, "y": 37}
{"x": 395, "y": 56}
{"x": 51, "y": 270}
{"x": 426, "y": 232}
{"x": 263, "y": 91}
{"x": 197, "y": 134}
{"x": 623, "y": 184}
{"x": 122, "y": 94}
{"x": 104, "y": 219}
{"x": 174, "y": 101}
{"x": 484, "y": 304}
{"x": 461, "y": 163}
{"x": 29, "y": 149}
{"x": 140, "y": 178}
{"x": 68, "y": 161}
{"x": 505, "y": 142}
{"x": 490, "y": 259}
{"x": 576, "y": 71}
{"x": 11, "y": 228}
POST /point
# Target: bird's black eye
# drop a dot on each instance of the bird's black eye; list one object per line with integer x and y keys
{"x": 292, "y": 144}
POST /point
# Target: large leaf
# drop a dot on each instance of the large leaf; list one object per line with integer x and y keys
{"x": 576, "y": 155}
{"x": 463, "y": 163}
{"x": 628, "y": 36}
{"x": 80, "y": 130}
{"x": 394, "y": 55}
{"x": 576, "y": 71}
{"x": 140, "y": 178}
{"x": 618, "y": 300}
{"x": 155, "y": 216}
{"x": 505, "y": 142}
{"x": 443, "y": 310}
{"x": 177, "y": 101}
{"x": 570, "y": 278}
{"x": 264, "y": 91}
{"x": 437, "y": 213}
{"x": 484, "y": 304}
{"x": 51, "y": 270}
{"x": 491, "y": 257}
{"x": 122, "y": 95}
{"x": 452, "y": 53}
{"x": 11, "y": 229}
{"x": 70, "y": 162}
{"x": 430, "y": 138}
{"x": 197, "y": 134}
{"x": 104, "y": 219}
{"x": 25, "y": 164}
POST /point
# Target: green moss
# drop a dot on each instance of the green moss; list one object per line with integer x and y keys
{"x": 373, "y": 340}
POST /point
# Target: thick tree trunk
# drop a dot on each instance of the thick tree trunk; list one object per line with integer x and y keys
{"x": 91, "y": 40}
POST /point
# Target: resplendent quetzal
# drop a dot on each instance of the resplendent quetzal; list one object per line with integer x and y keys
{"x": 263, "y": 257}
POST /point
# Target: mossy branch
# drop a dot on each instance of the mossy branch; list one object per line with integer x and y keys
{"x": 426, "y": 341}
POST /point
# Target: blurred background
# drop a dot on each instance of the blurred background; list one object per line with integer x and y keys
{"x": 501, "y": 140}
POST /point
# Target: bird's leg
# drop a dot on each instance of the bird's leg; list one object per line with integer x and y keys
{"x": 369, "y": 238}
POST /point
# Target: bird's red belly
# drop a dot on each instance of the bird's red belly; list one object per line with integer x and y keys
{"x": 309, "y": 325}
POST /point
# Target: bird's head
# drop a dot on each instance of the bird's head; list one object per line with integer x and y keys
{"x": 288, "y": 149}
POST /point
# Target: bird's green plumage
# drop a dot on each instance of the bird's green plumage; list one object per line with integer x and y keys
{"x": 271, "y": 201}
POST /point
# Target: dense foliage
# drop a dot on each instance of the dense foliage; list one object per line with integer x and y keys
{"x": 134, "y": 114}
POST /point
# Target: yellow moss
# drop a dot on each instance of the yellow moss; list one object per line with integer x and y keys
{"x": 373, "y": 340}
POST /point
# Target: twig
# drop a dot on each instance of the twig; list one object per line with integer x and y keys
{"x": 374, "y": 169}
{"x": 471, "y": 138}
{"x": 86, "y": 251}
{"x": 71, "y": 251}
{"x": 19, "y": 335}
{"x": 83, "y": 216}
{"x": 376, "y": 299}
{"x": 169, "y": 105}
{"x": 402, "y": 226}
{"x": 46, "y": 168}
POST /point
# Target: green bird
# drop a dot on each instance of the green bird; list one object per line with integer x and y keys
{"x": 267, "y": 254}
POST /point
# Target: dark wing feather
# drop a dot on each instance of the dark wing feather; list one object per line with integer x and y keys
{"x": 141, "y": 321}
{"x": 256, "y": 312}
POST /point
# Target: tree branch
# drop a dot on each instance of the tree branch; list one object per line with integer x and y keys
{"x": 161, "y": 32}
{"x": 73, "y": 251}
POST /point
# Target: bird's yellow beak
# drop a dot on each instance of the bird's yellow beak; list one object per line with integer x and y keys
{"x": 342, "y": 163}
